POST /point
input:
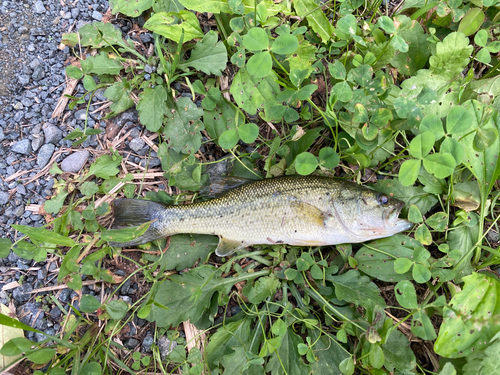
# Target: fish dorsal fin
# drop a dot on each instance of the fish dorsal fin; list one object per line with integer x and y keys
{"x": 220, "y": 185}
{"x": 227, "y": 246}
{"x": 309, "y": 213}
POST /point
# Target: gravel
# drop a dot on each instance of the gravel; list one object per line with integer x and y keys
{"x": 32, "y": 80}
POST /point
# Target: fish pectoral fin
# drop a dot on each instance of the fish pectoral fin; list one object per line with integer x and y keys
{"x": 227, "y": 247}
{"x": 310, "y": 213}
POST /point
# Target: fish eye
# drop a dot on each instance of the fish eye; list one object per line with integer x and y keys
{"x": 383, "y": 199}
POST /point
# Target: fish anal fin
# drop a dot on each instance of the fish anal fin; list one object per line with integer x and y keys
{"x": 310, "y": 213}
{"x": 227, "y": 246}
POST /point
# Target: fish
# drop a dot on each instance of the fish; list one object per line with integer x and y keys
{"x": 294, "y": 210}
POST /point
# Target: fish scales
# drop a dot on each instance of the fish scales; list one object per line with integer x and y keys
{"x": 296, "y": 210}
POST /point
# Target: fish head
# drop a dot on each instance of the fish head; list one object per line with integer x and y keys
{"x": 372, "y": 215}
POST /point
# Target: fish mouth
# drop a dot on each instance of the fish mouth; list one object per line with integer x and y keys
{"x": 391, "y": 216}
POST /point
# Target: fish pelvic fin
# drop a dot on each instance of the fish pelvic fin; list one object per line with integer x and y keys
{"x": 227, "y": 246}
{"x": 310, "y": 214}
{"x": 134, "y": 212}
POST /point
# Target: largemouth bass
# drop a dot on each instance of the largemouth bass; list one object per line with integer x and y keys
{"x": 294, "y": 210}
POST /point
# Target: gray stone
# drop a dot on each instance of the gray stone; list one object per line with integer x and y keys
{"x": 23, "y": 79}
{"x": 38, "y": 7}
{"x": 96, "y": 15}
{"x": 38, "y": 73}
{"x": 131, "y": 343}
{"x": 81, "y": 114}
{"x": 2, "y": 135}
{"x": 20, "y": 189}
{"x": 75, "y": 162}
{"x": 4, "y": 198}
{"x": 165, "y": 346}
{"x": 22, "y": 147}
{"x": 22, "y": 293}
{"x": 52, "y": 133}
{"x": 42, "y": 273}
{"x": 147, "y": 343}
{"x": 45, "y": 154}
{"x": 37, "y": 141}
{"x": 19, "y": 211}
{"x": 136, "y": 144}
{"x": 31, "y": 47}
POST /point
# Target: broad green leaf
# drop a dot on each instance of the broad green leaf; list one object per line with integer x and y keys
{"x": 286, "y": 359}
{"x": 376, "y": 356}
{"x": 360, "y": 113}
{"x": 484, "y": 361}
{"x": 471, "y": 22}
{"x": 5, "y": 245}
{"x": 229, "y": 139}
{"x": 362, "y": 75}
{"x": 421, "y": 145}
{"x": 463, "y": 239}
{"x": 166, "y": 24}
{"x": 398, "y": 353}
{"x": 264, "y": 287}
{"x": 369, "y": 131}
{"x": 41, "y": 356}
{"x": 125, "y": 234}
{"x": 422, "y": 327}
{"x": 402, "y": 265}
{"x": 408, "y": 63}
{"x": 248, "y": 132}
{"x": 414, "y": 214}
{"x": 433, "y": 124}
{"x": 223, "y": 118}
{"x": 306, "y": 163}
{"x": 406, "y": 295}
{"x": 423, "y": 235}
{"x": 117, "y": 309}
{"x": 237, "y": 362}
{"x": 453, "y": 147}
{"x": 210, "y": 6}
{"x": 297, "y": 76}
{"x": 451, "y": 56}
{"x": 101, "y": 64}
{"x": 381, "y": 117}
{"x": 459, "y": 120}
{"x": 119, "y": 94}
{"x": 44, "y": 235}
{"x": 387, "y": 24}
{"x": 472, "y": 320}
{"x": 188, "y": 295}
{"x": 252, "y": 93}
{"x": 183, "y": 126}
{"x": 256, "y": 39}
{"x": 54, "y": 205}
{"x": 315, "y": 17}
{"x": 152, "y": 107}
{"x": 89, "y": 83}
{"x": 440, "y": 164}
{"x": 89, "y": 304}
{"x": 438, "y": 221}
{"x": 285, "y": 44}
{"x": 328, "y": 157}
{"x": 211, "y": 99}
{"x": 484, "y": 138}
{"x": 329, "y": 354}
{"x": 337, "y": 69}
{"x": 74, "y": 72}
{"x": 354, "y": 288}
{"x": 343, "y": 91}
{"x": 208, "y": 55}
{"x": 91, "y": 368}
{"x": 377, "y": 259}
{"x": 167, "y": 6}
{"x": 400, "y": 44}
{"x": 260, "y": 64}
{"x": 105, "y": 166}
{"x": 421, "y": 273}
{"x": 130, "y": 8}
{"x": 483, "y": 56}
{"x": 408, "y": 173}
{"x": 89, "y": 188}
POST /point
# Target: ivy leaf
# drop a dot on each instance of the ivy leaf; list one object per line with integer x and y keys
{"x": 165, "y": 24}
{"x": 315, "y": 17}
{"x": 130, "y": 8}
{"x": 354, "y": 288}
{"x": 451, "y": 56}
{"x": 264, "y": 287}
{"x": 152, "y": 107}
{"x": 379, "y": 262}
{"x": 185, "y": 250}
{"x": 183, "y": 126}
{"x": 101, "y": 64}
{"x": 105, "y": 166}
{"x": 187, "y": 296}
{"x": 286, "y": 359}
{"x": 208, "y": 55}
{"x": 473, "y": 317}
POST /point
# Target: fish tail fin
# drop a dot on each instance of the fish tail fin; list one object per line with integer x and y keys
{"x": 135, "y": 212}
